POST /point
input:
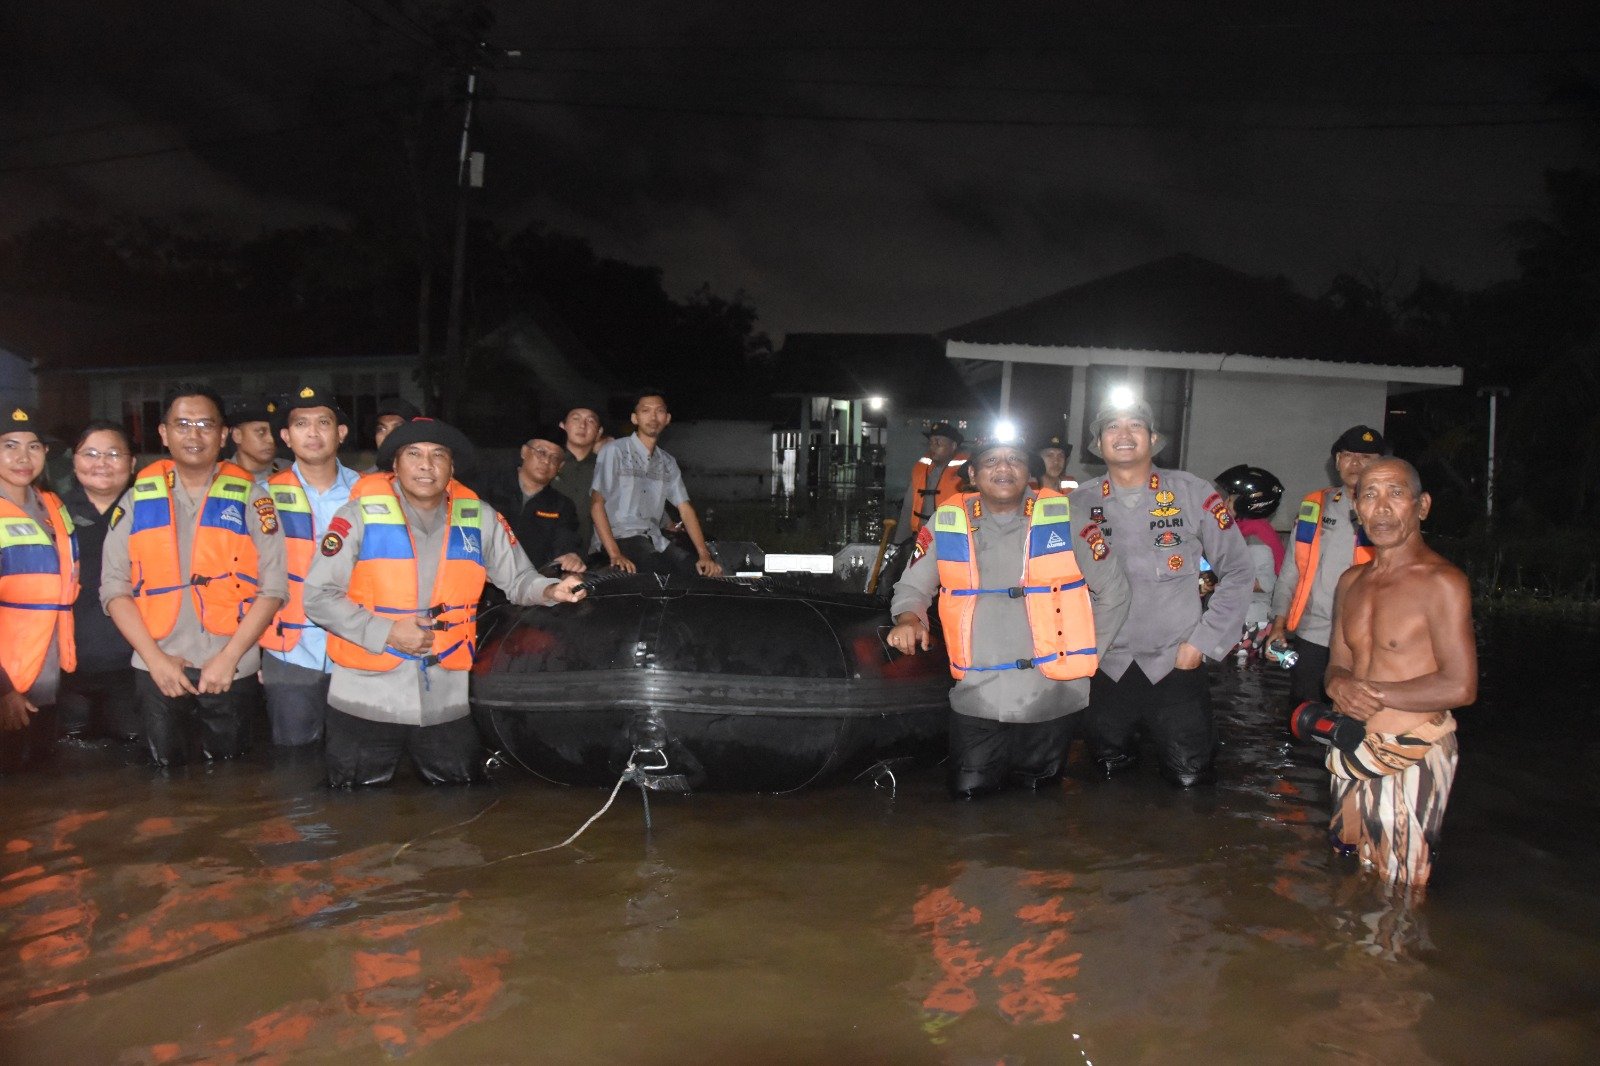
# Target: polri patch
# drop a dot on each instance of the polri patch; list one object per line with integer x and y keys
{"x": 1174, "y": 563}
{"x": 332, "y": 544}
{"x": 1168, "y": 540}
{"x": 116, "y": 516}
{"x": 1097, "y": 514}
{"x": 267, "y": 514}
{"x": 512, "y": 537}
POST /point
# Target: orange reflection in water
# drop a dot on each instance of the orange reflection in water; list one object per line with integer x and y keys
{"x": 999, "y": 934}
{"x": 389, "y": 985}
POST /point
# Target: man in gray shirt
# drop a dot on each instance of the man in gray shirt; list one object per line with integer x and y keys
{"x": 1160, "y": 522}
{"x": 396, "y": 582}
{"x": 1022, "y": 673}
{"x": 210, "y": 576}
{"x": 634, "y": 480}
{"x": 1327, "y": 541}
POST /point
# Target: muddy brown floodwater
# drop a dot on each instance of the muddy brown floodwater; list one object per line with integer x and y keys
{"x": 242, "y": 913}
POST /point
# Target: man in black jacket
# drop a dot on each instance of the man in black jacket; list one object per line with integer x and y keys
{"x": 545, "y": 522}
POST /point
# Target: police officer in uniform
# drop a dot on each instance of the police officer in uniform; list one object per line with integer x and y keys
{"x": 936, "y": 475}
{"x": 295, "y": 669}
{"x": 192, "y": 574}
{"x": 1327, "y": 541}
{"x": 1026, "y": 608}
{"x": 1160, "y": 522}
{"x": 396, "y": 581}
{"x": 38, "y": 583}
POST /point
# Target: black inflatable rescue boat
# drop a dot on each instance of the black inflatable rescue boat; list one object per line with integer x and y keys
{"x": 768, "y": 684}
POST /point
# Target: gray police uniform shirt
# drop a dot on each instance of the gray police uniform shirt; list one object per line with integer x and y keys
{"x": 1336, "y": 554}
{"x": 1000, "y": 631}
{"x": 407, "y": 694}
{"x": 1159, "y": 529}
{"x": 188, "y": 639}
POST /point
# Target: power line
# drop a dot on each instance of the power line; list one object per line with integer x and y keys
{"x": 236, "y": 101}
{"x": 424, "y": 40}
{"x": 190, "y": 146}
{"x": 1028, "y": 90}
{"x": 1032, "y": 123}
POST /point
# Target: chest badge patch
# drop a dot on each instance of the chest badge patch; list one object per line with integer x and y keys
{"x": 331, "y": 544}
{"x": 1164, "y": 507}
{"x": 1174, "y": 563}
{"x": 1169, "y": 539}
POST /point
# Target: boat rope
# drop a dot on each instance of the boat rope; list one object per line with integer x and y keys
{"x": 631, "y": 772}
{"x": 879, "y": 770}
{"x": 465, "y": 822}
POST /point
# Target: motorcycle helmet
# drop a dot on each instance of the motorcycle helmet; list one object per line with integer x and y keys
{"x": 1258, "y": 491}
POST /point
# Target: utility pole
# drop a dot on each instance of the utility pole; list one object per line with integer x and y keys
{"x": 1494, "y": 392}
{"x": 469, "y": 175}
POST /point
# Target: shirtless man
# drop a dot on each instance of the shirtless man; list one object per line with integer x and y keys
{"x": 1402, "y": 656}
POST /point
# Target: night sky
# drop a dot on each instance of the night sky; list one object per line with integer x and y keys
{"x": 849, "y": 166}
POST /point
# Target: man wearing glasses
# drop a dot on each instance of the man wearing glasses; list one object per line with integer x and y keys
{"x": 192, "y": 574}
{"x": 544, "y": 520}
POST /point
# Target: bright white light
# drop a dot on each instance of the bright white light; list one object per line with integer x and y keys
{"x": 1005, "y": 430}
{"x": 1122, "y": 397}
{"x": 875, "y": 402}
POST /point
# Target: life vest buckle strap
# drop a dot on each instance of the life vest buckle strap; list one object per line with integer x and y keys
{"x": 1024, "y": 664}
{"x": 1016, "y": 592}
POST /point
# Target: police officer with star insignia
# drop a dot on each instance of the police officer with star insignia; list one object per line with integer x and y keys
{"x": 1160, "y": 522}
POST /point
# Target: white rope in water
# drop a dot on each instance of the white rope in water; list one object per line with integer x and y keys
{"x": 465, "y": 822}
{"x": 627, "y": 774}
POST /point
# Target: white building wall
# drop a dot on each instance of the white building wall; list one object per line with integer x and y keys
{"x": 722, "y": 459}
{"x": 1283, "y": 424}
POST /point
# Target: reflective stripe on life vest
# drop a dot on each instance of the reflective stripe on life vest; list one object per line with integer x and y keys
{"x": 1052, "y": 588}
{"x": 1308, "y": 552}
{"x": 223, "y": 562}
{"x": 38, "y": 584}
{"x": 294, "y": 518}
{"x": 948, "y": 483}
{"x": 384, "y": 579}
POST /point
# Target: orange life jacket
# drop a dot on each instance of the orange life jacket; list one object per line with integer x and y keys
{"x": 1052, "y": 588}
{"x": 946, "y": 483}
{"x": 38, "y": 584}
{"x": 384, "y": 580}
{"x": 223, "y": 564}
{"x": 1308, "y": 550}
{"x": 299, "y": 541}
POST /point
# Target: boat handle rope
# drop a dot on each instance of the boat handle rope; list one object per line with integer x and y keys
{"x": 632, "y": 772}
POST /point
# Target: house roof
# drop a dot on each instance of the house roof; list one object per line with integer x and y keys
{"x": 1184, "y": 303}
{"x": 908, "y": 369}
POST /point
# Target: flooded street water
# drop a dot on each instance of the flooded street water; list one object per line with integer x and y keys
{"x": 242, "y": 913}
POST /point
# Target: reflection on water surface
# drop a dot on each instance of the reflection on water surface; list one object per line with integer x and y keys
{"x": 242, "y": 914}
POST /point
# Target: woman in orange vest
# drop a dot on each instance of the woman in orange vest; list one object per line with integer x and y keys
{"x": 1029, "y": 599}
{"x": 38, "y": 583}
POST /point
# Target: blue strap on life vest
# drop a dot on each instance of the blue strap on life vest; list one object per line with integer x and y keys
{"x": 1015, "y": 591}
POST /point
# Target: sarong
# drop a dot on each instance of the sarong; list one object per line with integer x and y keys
{"x": 1389, "y": 797}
